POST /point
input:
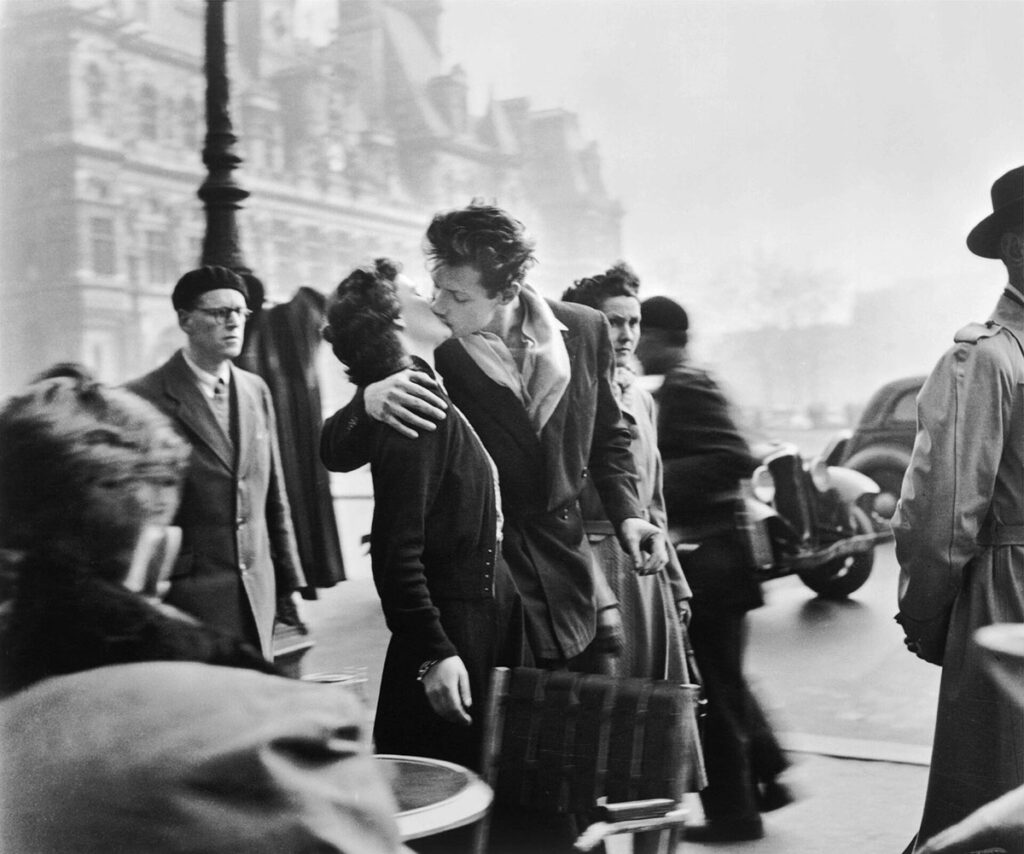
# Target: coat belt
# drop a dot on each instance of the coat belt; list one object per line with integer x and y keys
{"x": 1002, "y": 535}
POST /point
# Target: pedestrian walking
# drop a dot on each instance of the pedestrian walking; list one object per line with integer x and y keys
{"x": 705, "y": 458}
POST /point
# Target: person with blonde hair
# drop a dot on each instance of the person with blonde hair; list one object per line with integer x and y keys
{"x": 90, "y": 478}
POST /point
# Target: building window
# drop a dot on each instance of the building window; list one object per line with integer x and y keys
{"x": 104, "y": 250}
{"x": 159, "y": 264}
{"x": 195, "y": 251}
{"x": 95, "y": 94}
{"x": 148, "y": 110}
{"x": 190, "y": 124}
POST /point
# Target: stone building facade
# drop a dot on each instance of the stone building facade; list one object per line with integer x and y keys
{"x": 349, "y": 144}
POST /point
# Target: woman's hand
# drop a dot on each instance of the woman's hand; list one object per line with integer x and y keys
{"x": 447, "y": 687}
{"x": 405, "y": 402}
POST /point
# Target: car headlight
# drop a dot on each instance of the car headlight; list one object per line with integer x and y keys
{"x": 820, "y": 476}
{"x": 763, "y": 484}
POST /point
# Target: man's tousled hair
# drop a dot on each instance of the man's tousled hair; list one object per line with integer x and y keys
{"x": 485, "y": 238}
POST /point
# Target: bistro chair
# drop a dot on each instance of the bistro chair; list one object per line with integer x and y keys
{"x": 620, "y": 752}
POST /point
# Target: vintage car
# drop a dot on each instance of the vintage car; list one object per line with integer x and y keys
{"x": 880, "y": 444}
{"x": 808, "y": 518}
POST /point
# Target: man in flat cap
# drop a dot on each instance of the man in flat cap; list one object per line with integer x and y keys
{"x": 705, "y": 457}
{"x": 959, "y": 531}
{"x": 238, "y": 554}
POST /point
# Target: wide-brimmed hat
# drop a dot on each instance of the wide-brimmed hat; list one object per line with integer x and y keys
{"x": 1007, "y": 212}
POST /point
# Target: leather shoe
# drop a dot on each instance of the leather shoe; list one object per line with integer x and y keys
{"x": 731, "y": 830}
{"x": 774, "y": 795}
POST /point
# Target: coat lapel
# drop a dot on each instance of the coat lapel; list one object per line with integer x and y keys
{"x": 553, "y": 431}
{"x": 553, "y": 434}
{"x": 193, "y": 410}
{"x": 484, "y": 397}
{"x": 246, "y": 401}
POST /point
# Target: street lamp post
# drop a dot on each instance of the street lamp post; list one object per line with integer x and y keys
{"x": 222, "y": 197}
{"x": 221, "y": 194}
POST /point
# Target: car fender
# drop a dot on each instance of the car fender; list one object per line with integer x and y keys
{"x": 879, "y": 456}
{"x": 850, "y": 484}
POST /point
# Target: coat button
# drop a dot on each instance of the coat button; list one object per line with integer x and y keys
{"x": 243, "y": 566}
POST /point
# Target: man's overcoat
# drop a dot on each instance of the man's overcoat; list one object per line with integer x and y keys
{"x": 960, "y": 543}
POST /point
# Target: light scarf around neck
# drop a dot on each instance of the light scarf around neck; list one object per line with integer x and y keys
{"x": 546, "y": 368}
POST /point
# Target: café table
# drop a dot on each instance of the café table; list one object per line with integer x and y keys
{"x": 433, "y": 795}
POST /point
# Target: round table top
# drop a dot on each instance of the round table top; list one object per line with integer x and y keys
{"x": 433, "y": 795}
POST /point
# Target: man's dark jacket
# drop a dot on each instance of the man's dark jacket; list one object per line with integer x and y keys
{"x": 704, "y": 457}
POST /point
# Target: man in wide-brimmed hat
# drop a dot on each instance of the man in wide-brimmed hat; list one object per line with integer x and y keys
{"x": 960, "y": 532}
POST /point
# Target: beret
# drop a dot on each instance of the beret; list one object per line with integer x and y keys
{"x": 210, "y": 278}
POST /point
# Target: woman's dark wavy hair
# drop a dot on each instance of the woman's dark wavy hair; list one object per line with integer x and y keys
{"x": 617, "y": 281}
{"x": 361, "y": 315}
{"x": 485, "y": 238}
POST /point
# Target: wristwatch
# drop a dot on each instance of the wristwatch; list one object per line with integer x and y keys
{"x": 425, "y": 669}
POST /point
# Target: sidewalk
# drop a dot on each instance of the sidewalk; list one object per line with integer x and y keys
{"x": 869, "y": 804}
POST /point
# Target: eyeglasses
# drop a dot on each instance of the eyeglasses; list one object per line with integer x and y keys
{"x": 223, "y": 315}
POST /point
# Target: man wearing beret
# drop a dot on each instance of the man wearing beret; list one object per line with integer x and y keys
{"x": 960, "y": 537}
{"x": 238, "y": 555}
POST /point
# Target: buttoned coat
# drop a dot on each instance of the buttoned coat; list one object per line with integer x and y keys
{"x": 959, "y": 529}
{"x": 586, "y": 439}
{"x": 435, "y": 557}
{"x": 238, "y": 551}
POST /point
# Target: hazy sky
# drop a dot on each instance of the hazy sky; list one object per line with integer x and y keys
{"x": 854, "y": 139}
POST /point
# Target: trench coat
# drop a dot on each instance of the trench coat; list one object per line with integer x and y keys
{"x": 238, "y": 551}
{"x": 959, "y": 529}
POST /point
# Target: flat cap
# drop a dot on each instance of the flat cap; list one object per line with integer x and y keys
{"x": 663, "y": 313}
